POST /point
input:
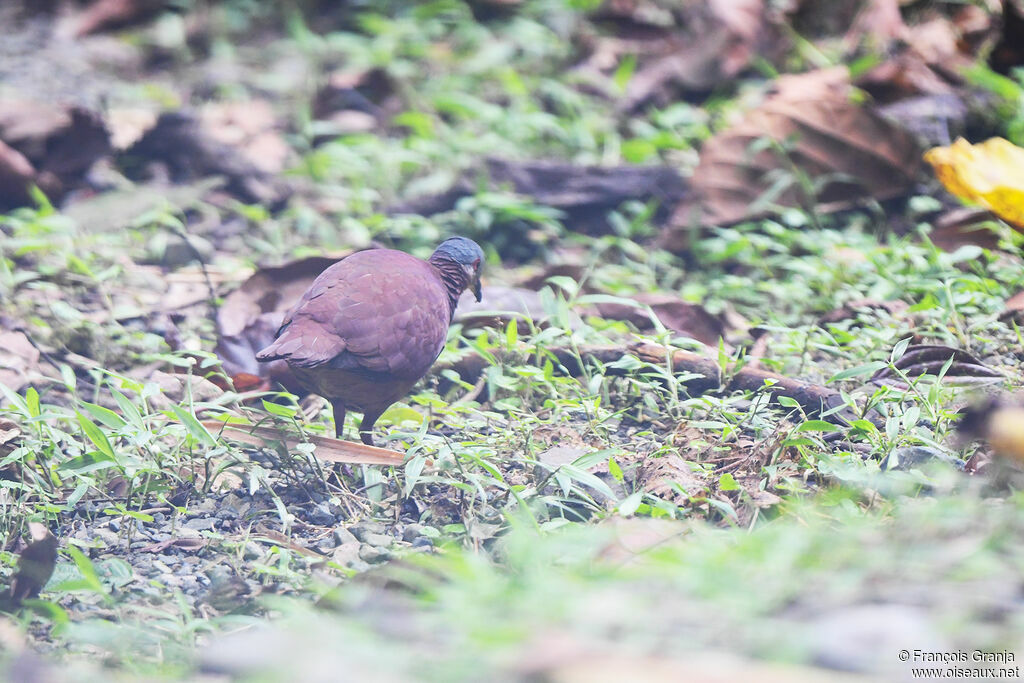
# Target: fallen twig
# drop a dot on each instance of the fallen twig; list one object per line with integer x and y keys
{"x": 325, "y": 448}
{"x": 815, "y": 399}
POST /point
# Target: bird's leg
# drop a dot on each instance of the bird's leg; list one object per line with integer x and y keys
{"x": 339, "y": 418}
{"x": 366, "y": 426}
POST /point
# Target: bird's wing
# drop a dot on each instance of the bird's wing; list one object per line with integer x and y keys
{"x": 384, "y": 311}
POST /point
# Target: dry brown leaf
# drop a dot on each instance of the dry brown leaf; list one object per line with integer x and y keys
{"x": 658, "y": 474}
{"x": 251, "y": 127}
{"x": 61, "y": 142}
{"x": 964, "y": 225}
{"x": 250, "y": 316}
{"x": 181, "y": 143}
{"x": 716, "y": 41}
{"x": 879, "y": 23}
{"x": 815, "y": 129}
{"x": 19, "y": 360}
{"x": 1014, "y": 308}
{"x": 325, "y": 448}
{"x": 102, "y": 15}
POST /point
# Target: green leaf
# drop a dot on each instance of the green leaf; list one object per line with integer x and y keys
{"x": 108, "y": 417}
{"x": 287, "y": 412}
{"x": 727, "y": 482}
{"x": 899, "y": 349}
{"x": 194, "y": 426}
{"x": 128, "y": 408}
{"x": 511, "y": 333}
{"x": 629, "y": 506}
{"x": 817, "y": 426}
{"x": 96, "y": 435}
{"x": 32, "y": 402}
{"x": 615, "y": 470}
{"x": 866, "y": 369}
{"x": 89, "y": 462}
{"x": 624, "y": 72}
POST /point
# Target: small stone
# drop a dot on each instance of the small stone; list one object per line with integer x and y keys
{"x": 227, "y": 513}
{"x": 114, "y": 526}
{"x": 201, "y": 523}
{"x": 422, "y": 542}
{"x": 378, "y": 540}
{"x": 371, "y": 553}
{"x": 343, "y": 536}
{"x": 321, "y": 515}
{"x": 348, "y": 555}
{"x": 362, "y": 528}
{"x": 412, "y": 532}
{"x": 109, "y": 538}
{"x": 253, "y": 551}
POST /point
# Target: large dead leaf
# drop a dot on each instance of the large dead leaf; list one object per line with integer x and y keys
{"x": 716, "y": 42}
{"x": 990, "y": 173}
{"x": 192, "y": 149}
{"x": 680, "y": 49}
{"x": 50, "y": 145}
{"x": 812, "y": 128}
{"x": 102, "y": 15}
{"x": 250, "y": 316}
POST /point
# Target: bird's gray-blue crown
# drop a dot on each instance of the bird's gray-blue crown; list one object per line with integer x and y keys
{"x": 462, "y": 250}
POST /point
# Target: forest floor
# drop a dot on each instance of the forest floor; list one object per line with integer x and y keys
{"x": 581, "y": 498}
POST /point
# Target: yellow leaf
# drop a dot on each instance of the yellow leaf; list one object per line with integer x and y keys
{"x": 990, "y": 173}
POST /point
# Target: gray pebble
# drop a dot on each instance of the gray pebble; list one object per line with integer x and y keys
{"x": 422, "y": 542}
{"x": 371, "y": 553}
{"x": 343, "y": 536}
{"x": 253, "y": 551}
{"x": 108, "y": 537}
{"x": 321, "y": 515}
{"x": 227, "y": 513}
{"x": 201, "y": 523}
{"x": 348, "y": 556}
{"x": 362, "y": 528}
{"x": 378, "y": 540}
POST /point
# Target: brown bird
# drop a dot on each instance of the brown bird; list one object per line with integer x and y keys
{"x": 372, "y": 325}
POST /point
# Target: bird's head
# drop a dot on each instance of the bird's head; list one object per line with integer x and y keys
{"x": 467, "y": 255}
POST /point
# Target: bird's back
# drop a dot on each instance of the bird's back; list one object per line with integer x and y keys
{"x": 380, "y": 311}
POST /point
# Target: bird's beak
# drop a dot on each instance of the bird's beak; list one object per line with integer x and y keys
{"x": 476, "y": 289}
